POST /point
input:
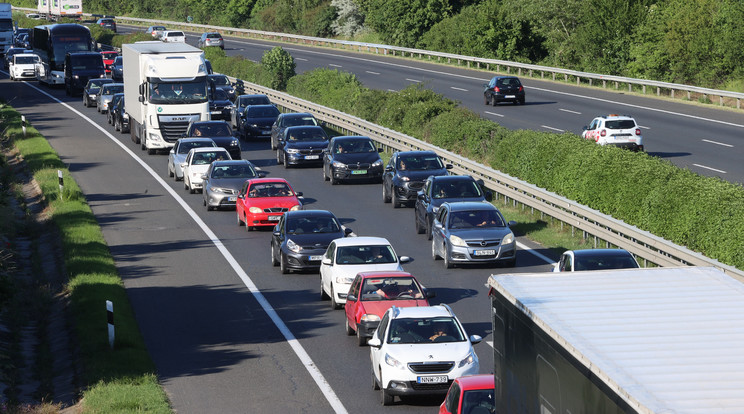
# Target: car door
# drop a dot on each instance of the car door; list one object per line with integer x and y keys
{"x": 439, "y": 233}
{"x": 275, "y": 127}
{"x": 422, "y": 203}
{"x": 376, "y": 353}
{"x": 389, "y": 173}
{"x": 277, "y": 237}
{"x": 328, "y": 156}
{"x": 351, "y": 306}
{"x": 326, "y": 270}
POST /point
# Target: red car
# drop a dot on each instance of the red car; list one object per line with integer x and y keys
{"x": 108, "y": 60}
{"x": 372, "y": 293}
{"x": 473, "y": 394}
{"x": 262, "y": 202}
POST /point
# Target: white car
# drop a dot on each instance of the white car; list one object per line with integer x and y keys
{"x": 177, "y": 154}
{"x": 420, "y": 351}
{"x": 22, "y": 66}
{"x": 346, "y": 257}
{"x": 172, "y": 36}
{"x": 616, "y": 130}
{"x": 197, "y": 163}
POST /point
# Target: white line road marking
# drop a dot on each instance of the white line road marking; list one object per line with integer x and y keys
{"x": 458, "y": 89}
{"x": 535, "y": 253}
{"x": 372, "y": 73}
{"x": 569, "y": 111}
{"x": 414, "y": 80}
{"x": 334, "y": 66}
{"x": 494, "y": 114}
{"x": 392, "y": 90}
{"x": 302, "y": 59}
{"x": 718, "y": 143}
{"x": 551, "y": 128}
{"x": 643, "y": 127}
{"x": 710, "y": 168}
{"x": 304, "y": 357}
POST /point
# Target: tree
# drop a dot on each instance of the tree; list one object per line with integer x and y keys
{"x": 280, "y": 65}
{"x": 403, "y": 22}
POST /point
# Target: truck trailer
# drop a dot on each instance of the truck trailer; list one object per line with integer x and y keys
{"x": 661, "y": 340}
{"x": 6, "y": 27}
{"x": 165, "y": 87}
{"x": 55, "y": 9}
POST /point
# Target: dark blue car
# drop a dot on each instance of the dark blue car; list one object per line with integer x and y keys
{"x": 302, "y": 145}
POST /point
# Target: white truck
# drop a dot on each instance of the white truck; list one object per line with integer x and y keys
{"x": 661, "y": 340}
{"x": 55, "y": 9}
{"x": 165, "y": 87}
{"x": 6, "y": 27}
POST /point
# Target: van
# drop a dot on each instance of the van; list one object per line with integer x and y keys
{"x": 81, "y": 67}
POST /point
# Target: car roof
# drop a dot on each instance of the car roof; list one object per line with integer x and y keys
{"x": 292, "y": 128}
{"x": 505, "y": 77}
{"x": 616, "y": 116}
{"x": 421, "y": 312}
{"x": 232, "y": 162}
{"x": 24, "y": 54}
{"x": 476, "y": 382}
{"x": 195, "y": 139}
{"x": 108, "y": 52}
{"x": 416, "y": 153}
{"x": 469, "y": 205}
{"x": 383, "y": 273}
{"x": 199, "y": 123}
{"x": 268, "y": 180}
{"x": 309, "y": 213}
{"x": 452, "y": 178}
{"x": 207, "y": 149}
{"x": 350, "y": 137}
{"x": 298, "y": 114}
{"x": 361, "y": 241}
{"x": 252, "y": 95}
{"x": 601, "y": 252}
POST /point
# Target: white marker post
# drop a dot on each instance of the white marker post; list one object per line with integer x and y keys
{"x": 61, "y": 183}
{"x": 23, "y": 125}
{"x": 110, "y": 317}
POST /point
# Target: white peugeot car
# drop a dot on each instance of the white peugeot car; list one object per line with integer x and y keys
{"x": 197, "y": 163}
{"x": 420, "y": 351}
{"x": 346, "y": 257}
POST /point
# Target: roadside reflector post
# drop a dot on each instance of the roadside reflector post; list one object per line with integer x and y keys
{"x": 23, "y": 125}
{"x": 110, "y": 318}
{"x": 61, "y": 182}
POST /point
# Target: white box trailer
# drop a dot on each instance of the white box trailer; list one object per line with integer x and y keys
{"x": 662, "y": 340}
{"x": 6, "y": 27}
{"x": 165, "y": 88}
{"x": 60, "y": 8}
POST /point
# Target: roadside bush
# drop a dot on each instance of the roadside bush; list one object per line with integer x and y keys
{"x": 410, "y": 109}
{"x": 281, "y": 65}
{"x": 331, "y": 88}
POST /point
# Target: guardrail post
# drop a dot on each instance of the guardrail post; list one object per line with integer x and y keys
{"x": 644, "y": 89}
{"x": 658, "y": 91}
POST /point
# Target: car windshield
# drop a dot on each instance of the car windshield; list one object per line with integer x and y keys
{"x": 620, "y": 124}
{"x": 26, "y": 60}
{"x": 262, "y": 112}
{"x": 300, "y": 120}
{"x": 96, "y": 84}
{"x": 462, "y": 189}
{"x": 174, "y": 34}
{"x": 307, "y": 225}
{"x": 112, "y": 89}
{"x": 244, "y": 101}
{"x": 478, "y": 398}
{"x": 218, "y": 129}
{"x": 509, "y": 82}
{"x": 220, "y": 95}
{"x": 475, "y": 219}
{"x": 354, "y": 146}
{"x": 277, "y": 189}
{"x": 233, "y": 171}
{"x": 220, "y": 80}
{"x": 390, "y": 288}
{"x": 206, "y": 157}
{"x": 306, "y": 134}
{"x": 352, "y": 255}
{"x": 189, "y": 92}
{"x": 420, "y": 163}
{"x": 604, "y": 262}
{"x": 187, "y": 146}
{"x": 424, "y": 331}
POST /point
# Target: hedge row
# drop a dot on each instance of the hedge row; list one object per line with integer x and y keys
{"x": 703, "y": 213}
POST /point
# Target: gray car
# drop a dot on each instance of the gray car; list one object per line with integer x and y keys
{"x": 472, "y": 232}
{"x": 180, "y": 150}
{"x": 155, "y": 31}
{"x": 223, "y": 181}
{"x": 211, "y": 39}
{"x": 106, "y": 95}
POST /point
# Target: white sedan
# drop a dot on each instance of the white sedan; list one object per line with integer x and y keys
{"x": 346, "y": 257}
{"x": 180, "y": 150}
{"x": 197, "y": 163}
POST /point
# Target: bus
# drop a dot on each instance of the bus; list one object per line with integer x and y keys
{"x": 52, "y": 42}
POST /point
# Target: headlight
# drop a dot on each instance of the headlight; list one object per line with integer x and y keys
{"x": 255, "y": 210}
{"x": 394, "y": 362}
{"x": 153, "y": 137}
{"x": 125, "y": 115}
{"x": 456, "y": 241}
{"x": 434, "y": 210}
{"x": 234, "y": 143}
{"x": 292, "y": 150}
{"x": 368, "y": 317}
{"x": 338, "y": 164}
{"x": 403, "y": 178}
{"x": 75, "y": 77}
{"x": 377, "y": 163}
{"x": 295, "y": 208}
{"x": 344, "y": 280}
{"x": 221, "y": 190}
{"x": 254, "y": 125}
{"x": 293, "y": 246}
{"x": 468, "y": 360}
{"x": 508, "y": 239}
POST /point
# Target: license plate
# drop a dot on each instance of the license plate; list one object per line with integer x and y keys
{"x": 316, "y": 258}
{"x": 439, "y": 379}
{"x": 232, "y": 199}
{"x": 358, "y": 172}
{"x": 484, "y": 252}
{"x": 510, "y": 96}
{"x": 216, "y": 112}
{"x": 266, "y": 132}
{"x": 312, "y": 157}
{"x": 275, "y": 218}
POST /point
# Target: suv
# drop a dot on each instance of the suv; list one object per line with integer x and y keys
{"x": 405, "y": 174}
{"x": 445, "y": 188}
{"x": 616, "y": 130}
{"x": 81, "y": 67}
{"x": 503, "y": 88}
{"x": 420, "y": 351}
{"x": 107, "y": 23}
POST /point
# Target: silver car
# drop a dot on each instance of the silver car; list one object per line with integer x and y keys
{"x": 106, "y": 95}
{"x": 181, "y": 148}
{"x": 223, "y": 181}
{"x": 211, "y": 39}
{"x": 472, "y": 232}
{"x": 197, "y": 163}
{"x": 156, "y": 31}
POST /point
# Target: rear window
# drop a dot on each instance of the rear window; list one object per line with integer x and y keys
{"x": 620, "y": 124}
{"x": 214, "y": 36}
{"x": 264, "y": 112}
{"x": 175, "y": 34}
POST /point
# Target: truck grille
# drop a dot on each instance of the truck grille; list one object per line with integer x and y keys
{"x": 172, "y": 131}
{"x": 425, "y": 368}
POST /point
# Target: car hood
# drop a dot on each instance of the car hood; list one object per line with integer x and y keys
{"x": 319, "y": 240}
{"x": 199, "y": 168}
{"x": 435, "y": 351}
{"x": 232, "y": 183}
{"x": 223, "y": 141}
{"x": 268, "y": 202}
{"x": 24, "y": 65}
{"x": 260, "y": 121}
{"x": 477, "y": 234}
{"x": 307, "y": 145}
{"x": 378, "y": 307}
{"x": 352, "y": 270}
{"x": 353, "y": 158}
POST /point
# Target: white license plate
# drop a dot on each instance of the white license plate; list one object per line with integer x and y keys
{"x": 315, "y": 258}
{"x": 275, "y": 218}
{"x": 232, "y": 199}
{"x": 312, "y": 157}
{"x": 439, "y": 379}
{"x": 216, "y": 112}
{"x": 510, "y": 96}
{"x": 358, "y": 172}
{"x": 484, "y": 252}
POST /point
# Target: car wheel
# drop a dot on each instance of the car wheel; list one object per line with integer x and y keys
{"x": 396, "y": 203}
{"x": 385, "y": 194}
{"x": 428, "y": 230}
{"x": 325, "y": 177}
{"x": 323, "y": 295}
{"x": 361, "y": 341}
{"x": 143, "y": 143}
{"x": 334, "y": 304}
{"x": 283, "y": 264}
{"x": 521, "y": 101}
{"x": 273, "y": 145}
{"x": 419, "y": 228}
{"x": 434, "y": 254}
{"x": 447, "y": 261}
{"x": 240, "y": 222}
{"x": 334, "y": 181}
{"x": 116, "y": 125}
{"x": 284, "y": 160}
{"x": 206, "y": 204}
{"x": 375, "y": 385}
{"x": 170, "y": 172}
{"x": 247, "y": 227}
{"x": 185, "y": 184}
{"x": 347, "y": 325}
{"x": 85, "y": 100}
{"x": 274, "y": 262}
{"x": 486, "y": 100}
{"x": 278, "y": 157}
{"x": 386, "y": 398}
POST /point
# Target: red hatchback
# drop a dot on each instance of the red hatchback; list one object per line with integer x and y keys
{"x": 472, "y": 394}
{"x": 262, "y": 202}
{"x": 372, "y": 293}
{"x": 108, "y": 60}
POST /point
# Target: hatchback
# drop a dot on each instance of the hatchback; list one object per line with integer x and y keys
{"x": 155, "y": 31}
{"x": 107, "y": 23}
{"x": 223, "y": 181}
{"x": 107, "y": 93}
{"x": 211, "y": 39}
{"x": 92, "y": 89}
{"x": 405, "y": 174}
{"x": 471, "y": 394}
{"x": 504, "y": 89}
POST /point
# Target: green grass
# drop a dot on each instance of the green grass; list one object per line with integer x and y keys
{"x": 122, "y": 379}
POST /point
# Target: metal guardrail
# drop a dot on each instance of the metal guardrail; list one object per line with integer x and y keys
{"x": 641, "y": 243}
{"x": 480, "y": 63}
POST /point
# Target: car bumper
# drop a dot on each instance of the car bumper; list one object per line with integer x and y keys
{"x": 220, "y": 200}
{"x": 341, "y": 290}
{"x": 467, "y": 254}
{"x": 307, "y": 260}
{"x": 263, "y": 219}
{"x": 257, "y": 132}
{"x": 366, "y": 329}
{"x": 300, "y": 159}
{"x": 502, "y": 97}
{"x": 626, "y": 145}
{"x": 407, "y": 194}
{"x": 408, "y": 385}
{"x": 348, "y": 175}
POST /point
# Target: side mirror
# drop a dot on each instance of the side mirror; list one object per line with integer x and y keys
{"x": 142, "y": 89}
{"x": 204, "y": 177}
{"x": 277, "y": 233}
{"x": 347, "y": 232}
{"x": 379, "y": 149}
{"x": 474, "y": 339}
{"x": 141, "y": 99}
{"x": 374, "y": 342}
{"x": 489, "y": 196}
{"x": 430, "y": 294}
{"x": 261, "y": 174}
{"x": 183, "y": 165}
{"x": 449, "y": 166}
{"x": 404, "y": 259}
{"x": 421, "y": 196}
{"x": 584, "y": 128}
{"x": 351, "y": 298}
{"x": 299, "y": 194}
{"x": 511, "y": 223}
{"x": 327, "y": 261}
{"x": 388, "y": 168}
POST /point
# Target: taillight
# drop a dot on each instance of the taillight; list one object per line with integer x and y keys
{"x": 521, "y": 88}
{"x": 496, "y": 89}
{"x": 603, "y": 133}
{"x": 638, "y": 131}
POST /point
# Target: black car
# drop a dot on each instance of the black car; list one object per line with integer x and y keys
{"x": 288, "y": 120}
{"x": 219, "y": 131}
{"x": 445, "y": 188}
{"x": 81, "y": 67}
{"x": 302, "y": 145}
{"x": 117, "y": 69}
{"x": 114, "y": 101}
{"x": 219, "y": 81}
{"x": 219, "y": 105}
{"x": 121, "y": 117}
{"x": 22, "y": 40}
{"x": 257, "y": 120}
{"x": 107, "y": 23}
{"x": 352, "y": 158}
{"x": 405, "y": 174}
{"x": 243, "y": 101}
{"x": 301, "y": 238}
{"x": 504, "y": 89}
{"x": 91, "y": 90}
